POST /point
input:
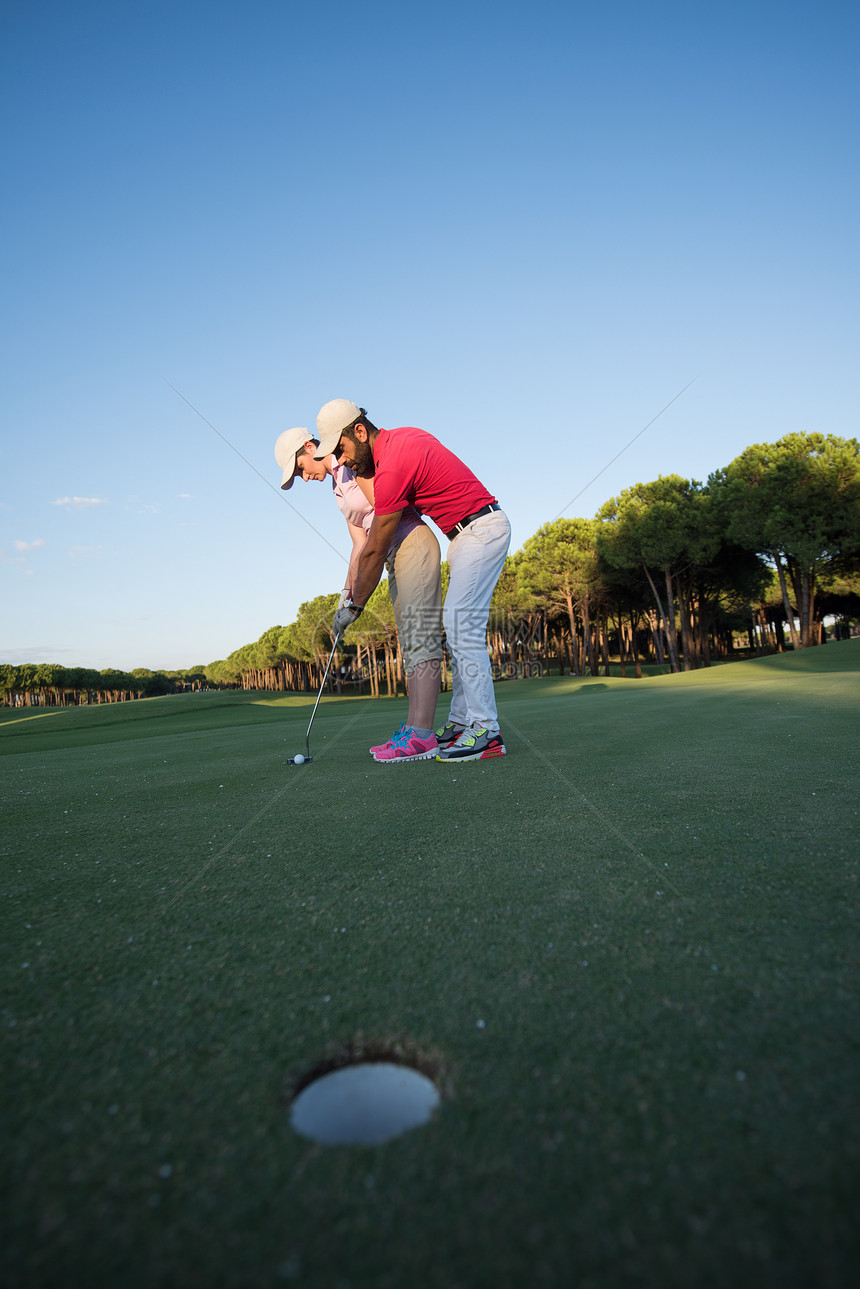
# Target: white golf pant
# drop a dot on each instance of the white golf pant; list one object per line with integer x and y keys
{"x": 476, "y": 558}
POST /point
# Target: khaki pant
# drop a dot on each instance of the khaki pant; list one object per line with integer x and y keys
{"x": 415, "y": 583}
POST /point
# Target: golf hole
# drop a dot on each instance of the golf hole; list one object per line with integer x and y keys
{"x": 363, "y": 1104}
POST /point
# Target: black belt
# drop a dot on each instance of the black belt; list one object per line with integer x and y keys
{"x": 464, "y": 523}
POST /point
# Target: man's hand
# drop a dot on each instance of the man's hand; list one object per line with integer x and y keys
{"x": 345, "y": 617}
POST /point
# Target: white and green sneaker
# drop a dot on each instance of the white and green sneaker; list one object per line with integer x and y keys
{"x": 475, "y": 744}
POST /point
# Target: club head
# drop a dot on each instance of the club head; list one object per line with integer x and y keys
{"x": 305, "y": 760}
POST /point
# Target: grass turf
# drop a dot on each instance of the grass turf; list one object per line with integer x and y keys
{"x": 631, "y": 943}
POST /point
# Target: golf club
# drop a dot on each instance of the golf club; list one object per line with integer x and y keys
{"x": 307, "y": 758}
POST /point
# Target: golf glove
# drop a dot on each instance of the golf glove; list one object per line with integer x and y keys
{"x": 345, "y": 617}
{"x": 344, "y": 597}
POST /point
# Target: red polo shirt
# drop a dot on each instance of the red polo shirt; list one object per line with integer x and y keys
{"x": 414, "y": 469}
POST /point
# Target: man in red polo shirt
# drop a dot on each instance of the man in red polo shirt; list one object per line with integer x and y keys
{"x": 411, "y": 467}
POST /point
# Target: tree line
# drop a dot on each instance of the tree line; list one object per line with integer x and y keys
{"x": 672, "y": 573}
{"x": 47, "y": 684}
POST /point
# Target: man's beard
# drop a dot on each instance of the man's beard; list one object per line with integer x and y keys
{"x": 364, "y": 466}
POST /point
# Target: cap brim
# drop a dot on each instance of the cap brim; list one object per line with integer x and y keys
{"x": 287, "y": 448}
{"x": 328, "y": 443}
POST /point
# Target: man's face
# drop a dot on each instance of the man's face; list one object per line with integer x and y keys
{"x": 355, "y": 452}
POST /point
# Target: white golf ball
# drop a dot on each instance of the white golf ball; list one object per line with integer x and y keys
{"x": 298, "y": 760}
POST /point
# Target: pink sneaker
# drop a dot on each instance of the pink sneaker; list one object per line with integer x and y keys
{"x": 407, "y": 746}
{"x": 380, "y": 747}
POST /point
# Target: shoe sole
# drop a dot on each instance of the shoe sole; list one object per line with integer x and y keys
{"x": 485, "y": 755}
{"x": 398, "y": 760}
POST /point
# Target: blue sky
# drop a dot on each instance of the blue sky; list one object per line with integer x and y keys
{"x": 522, "y": 227}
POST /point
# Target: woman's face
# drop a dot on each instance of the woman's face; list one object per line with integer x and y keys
{"x": 306, "y": 467}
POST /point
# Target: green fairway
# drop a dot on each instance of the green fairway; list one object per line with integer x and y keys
{"x": 630, "y": 943}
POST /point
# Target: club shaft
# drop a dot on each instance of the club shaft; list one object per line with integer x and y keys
{"x": 319, "y": 696}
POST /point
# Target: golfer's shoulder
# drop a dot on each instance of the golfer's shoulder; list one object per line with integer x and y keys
{"x": 402, "y": 433}
{"x": 407, "y": 439}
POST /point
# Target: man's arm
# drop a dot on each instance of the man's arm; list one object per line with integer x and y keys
{"x": 372, "y": 559}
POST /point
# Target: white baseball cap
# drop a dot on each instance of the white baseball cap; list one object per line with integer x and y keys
{"x": 332, "y": 420}
{"x": 286, "y": 448}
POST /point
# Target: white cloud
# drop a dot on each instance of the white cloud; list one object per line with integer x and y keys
{"x": 80, "y": 503}
{"x": 23, "y": 547}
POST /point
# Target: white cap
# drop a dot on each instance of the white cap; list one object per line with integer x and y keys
{"x": 288, "y": 445}
{"x": 332, "y": 420}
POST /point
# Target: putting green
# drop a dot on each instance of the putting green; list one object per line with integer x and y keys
{"x": 630, "y": 946}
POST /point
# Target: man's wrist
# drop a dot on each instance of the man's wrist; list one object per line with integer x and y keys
{"x": 353, "y": 607}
